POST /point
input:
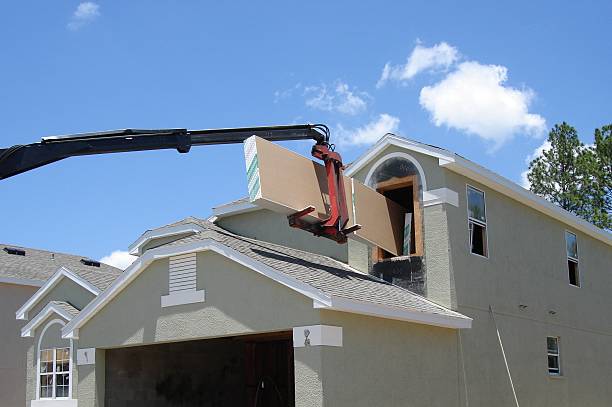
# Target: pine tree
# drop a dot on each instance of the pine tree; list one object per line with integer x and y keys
{"x": 575, "y": 177}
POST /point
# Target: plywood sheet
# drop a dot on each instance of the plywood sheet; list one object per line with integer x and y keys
{"x": 286, "y": 182}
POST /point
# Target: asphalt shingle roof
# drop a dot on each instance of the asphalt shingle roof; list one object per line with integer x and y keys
{"x": 41, "y": 264}
{"x": 321, "y": 272}
{"x": 66, "y": 307}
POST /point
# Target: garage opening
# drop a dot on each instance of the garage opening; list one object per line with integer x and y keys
{"x": 251, "y": 371}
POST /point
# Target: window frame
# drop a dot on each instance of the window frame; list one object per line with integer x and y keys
{"x": 413, "y": 182}
{"x": 55, "y": 372}
{"x": 470, "y": 219}
{"x": 569, "y": 258}
{"x": 559, "y": 372}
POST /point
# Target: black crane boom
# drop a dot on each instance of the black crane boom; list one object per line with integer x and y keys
{"x": 21, "y": 158}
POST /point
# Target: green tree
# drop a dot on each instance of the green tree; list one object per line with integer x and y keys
{"x": 575, "y": 177}
{"x": 600, "y": 165}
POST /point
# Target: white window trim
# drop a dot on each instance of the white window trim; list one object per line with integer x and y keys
{"x": 558, "y": 355}
{"x": 477, "y": 221}
{"x": 574, "y": 259}
{"x": 70, "y": 364}
{"x": 403, "y": 155}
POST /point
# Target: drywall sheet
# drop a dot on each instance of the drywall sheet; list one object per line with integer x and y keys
{"x": 286, "y": 182}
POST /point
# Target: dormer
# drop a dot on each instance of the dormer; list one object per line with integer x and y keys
{"x": 163, "y": 235}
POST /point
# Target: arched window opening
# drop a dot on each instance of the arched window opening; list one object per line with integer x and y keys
{"x": 54, "y": 363}
{"x": 399, "y": 179}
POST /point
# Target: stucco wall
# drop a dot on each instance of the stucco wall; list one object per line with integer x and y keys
{"x": 527, "y": 266}
{"x": 389, "y": 363}
{"x": 238, "y": 301}
{"x": 14, "y": 348}
{"x": 273, "y": 227}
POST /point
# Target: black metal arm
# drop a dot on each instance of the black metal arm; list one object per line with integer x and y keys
{"x": 22, "y": 158}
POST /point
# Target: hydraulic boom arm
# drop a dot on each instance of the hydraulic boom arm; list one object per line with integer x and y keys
{"x": 21, "y": 158}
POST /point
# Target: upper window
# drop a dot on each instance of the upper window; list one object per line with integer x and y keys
{"x": 477, "y": 221}
{"x": 54, "y": 375}
{"x": 571, "y": 247}
{"x": 554, "y": 365}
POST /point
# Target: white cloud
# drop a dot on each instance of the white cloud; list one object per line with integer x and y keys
{"x": 339, "y": 99}
{"x": 287, "y": 93}
{"x": 538, "y": 152}
{"x": 440, "y": 56}
{"x": 84, "y": 13}
{"x": 369, "y": 133}
{"x": 119, "y": 259}
{"x": 475, "y": 99}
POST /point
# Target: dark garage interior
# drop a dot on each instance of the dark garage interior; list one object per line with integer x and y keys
{"x": 251, "y": 371}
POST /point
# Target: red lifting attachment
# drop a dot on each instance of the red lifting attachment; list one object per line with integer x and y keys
{"x": 333, "y": 227}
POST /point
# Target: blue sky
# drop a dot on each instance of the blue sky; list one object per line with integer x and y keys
{"x": 484, "y": 79}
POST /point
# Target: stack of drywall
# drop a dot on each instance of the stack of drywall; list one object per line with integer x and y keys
{"x": 286, "y": 182}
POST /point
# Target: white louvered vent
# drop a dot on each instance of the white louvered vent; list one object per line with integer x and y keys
{"x": 182, "y": 273}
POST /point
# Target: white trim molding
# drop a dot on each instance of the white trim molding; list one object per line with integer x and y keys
{"x": 86, "y": 356}
{"x": 457, "y": 321}
{"x": 182, "y": 298}
{"x": 471, "y": 170}
{"x": 317, "y": 335}
{"x": 135, "y": 249}
{"x": 440, "y": 196}
{"x": 393, "y": 140}
{"x": 62, "y": 272}
{"x": 320, "y": 299}
{"x": 233, "y": 208}
{"x": 389, "y": 156}
{"x": 28, "y": 330}
{"x": 52, "y": 402}
{"x": 21, "y": 281}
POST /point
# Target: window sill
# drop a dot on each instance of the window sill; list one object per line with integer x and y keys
{"x": 54, "y": 403}
{"x": 556, "y": 376}
{"x": 181, "y": 298}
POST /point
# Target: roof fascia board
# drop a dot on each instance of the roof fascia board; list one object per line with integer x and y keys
{"x": 320, "y": 300}
{"x": 391, "y": 140}
{"x": 427, "y": 318}
{"x": 524, "y": 196}
{"x": 28, "y": 330}
{"x": 71, "y": 329}
{"x": 21, "y": 281}
{"x": 62, "y": 272}
{"x": 234, "y": 209}
{"x": 458, "y": 164}
{"x": 135, "y": 248}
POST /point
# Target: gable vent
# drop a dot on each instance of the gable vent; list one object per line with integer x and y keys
{"x": 182, "y": 273}
{"x": 89, "y": 262}
{"x": 15, "y": 251}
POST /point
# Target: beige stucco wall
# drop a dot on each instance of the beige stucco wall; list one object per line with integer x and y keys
{"x": 13, "y": 348}
{"x": 389, "y": 363}
{"x": 526, "y": 265}
{"x": 273, "y": 227}
{"x": 238, "y": 301}
{"x": 405, "y": 361}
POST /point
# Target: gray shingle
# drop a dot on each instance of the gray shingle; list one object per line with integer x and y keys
{"x": 66, "y": 307}
{"x": 321, "y": 272}
{"x": 40, "y": 265}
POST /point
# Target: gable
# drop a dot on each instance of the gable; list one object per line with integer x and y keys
{"x": 238, "y": 301}
{"x": 62, "y": 286}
